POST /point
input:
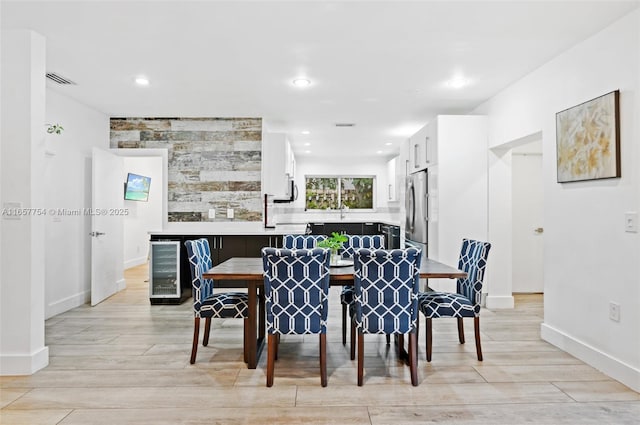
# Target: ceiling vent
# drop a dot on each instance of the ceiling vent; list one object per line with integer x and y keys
{"x": 59, "y": 79}
{"x": 345, "y": 124}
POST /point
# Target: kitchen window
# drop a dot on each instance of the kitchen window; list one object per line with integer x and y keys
{"x": 330, "y": 192}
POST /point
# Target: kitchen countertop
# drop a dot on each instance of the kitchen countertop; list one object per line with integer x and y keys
{"x": 230, "y": 228}
{"x": 248, "y": 228}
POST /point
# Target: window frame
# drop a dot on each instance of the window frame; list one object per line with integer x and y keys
{"x": 339, "y": 178}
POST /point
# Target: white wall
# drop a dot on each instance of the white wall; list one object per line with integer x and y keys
{"x": 22, "y": 272}
{"x": 589, "y": 260}
{"x": 68, "y": 186}
{"x": 142, "y": 217}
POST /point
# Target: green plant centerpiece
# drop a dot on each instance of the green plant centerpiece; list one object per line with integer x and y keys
{"x": 334, "y": 243}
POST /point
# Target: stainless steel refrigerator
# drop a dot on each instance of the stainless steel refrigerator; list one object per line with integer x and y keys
{"x": 417, "y": 207}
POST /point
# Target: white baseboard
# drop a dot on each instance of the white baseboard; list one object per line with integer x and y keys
{"x": 135, "y": 262}
{"x": 616, "y": 369}
{"x": 67, "y": 304}
{"x": 121, "y": 284}
{"x": 24, "y": 364}
{"x": 499, "y": 301}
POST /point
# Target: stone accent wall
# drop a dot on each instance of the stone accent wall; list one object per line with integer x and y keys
{"x": 213, "y": 163}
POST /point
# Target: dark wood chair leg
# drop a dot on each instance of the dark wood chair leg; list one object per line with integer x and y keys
{"x": 360, "y": 357}
{"x": 323, "y": 360}
{"x": 344, "y": 324}
{"x": 261, "y": 312}
{"x": 196, "y": 334}
{"x": 207, "y": 331}
{"x": 245, "y": 339}
{"x": 428, "y": 337}
{"x": 476, "y": 328}
{"x": 271, "y": 358}
{"x": 388, "y": 339}
{"x": 353, "y": 341}
{"x": 413, "y": 358}
{"x": 400, "y": 347}
{"x": 460, "y": 330}
{"x": 277, "y": 343}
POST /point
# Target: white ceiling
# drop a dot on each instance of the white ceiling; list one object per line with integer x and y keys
{"x": 382, "y": 65}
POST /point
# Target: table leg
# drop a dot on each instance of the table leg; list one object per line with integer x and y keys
{"x": 255, "y": 342}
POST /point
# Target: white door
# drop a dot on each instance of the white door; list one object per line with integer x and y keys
{"x": 107, "y": 203}
{"x": 527, "y": 223}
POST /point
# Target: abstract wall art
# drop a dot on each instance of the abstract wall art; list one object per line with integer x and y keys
{"x": 588, "y": 140}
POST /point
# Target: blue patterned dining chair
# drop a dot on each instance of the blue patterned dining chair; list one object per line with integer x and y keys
{"x": 297, "y": 290}
{"x": 301, "y": 241}
{"x": 386, "y": 285}
{"x": 465, "y": 302}
{"x": 353, "y": 243}
{"x": 206, "y": 303}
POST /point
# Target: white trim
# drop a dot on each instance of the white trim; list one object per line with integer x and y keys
{"x": 122, "y": 284}
{"x": 615, "y": 368}
{"x": 135, "y": 262}
{"x": 24, "y": 364}
{"x": 67, "y": 303}
{"x": 499, "y": 301}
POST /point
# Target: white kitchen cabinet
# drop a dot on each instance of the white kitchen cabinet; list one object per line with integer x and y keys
{"x": 393, "y": 180}
{"x": 278, "y": 165}
{"x": 421, "y": 149}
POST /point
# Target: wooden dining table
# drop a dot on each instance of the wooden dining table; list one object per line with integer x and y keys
{"x": 248, "y": 273}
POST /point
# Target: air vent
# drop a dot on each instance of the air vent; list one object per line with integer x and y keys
{"x": 59, "y": 79}
{"x": 345, "y": 124}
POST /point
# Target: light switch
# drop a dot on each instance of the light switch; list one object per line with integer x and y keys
{"x": 229, "y": 212}
{"x": 212, "y": 213}
{"x": 631, "y": 222}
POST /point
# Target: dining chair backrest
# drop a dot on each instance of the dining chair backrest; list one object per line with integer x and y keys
{"x": 473, "y": 260}
{"x": 386, "y": 284}
{"x": 301, "y": 241}
{"x": 296, "y": 285}
{"x": 354, "y": 242}
{"x": 199, "y": 256}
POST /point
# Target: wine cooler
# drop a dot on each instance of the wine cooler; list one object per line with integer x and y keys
{"x": 164, "y": 272}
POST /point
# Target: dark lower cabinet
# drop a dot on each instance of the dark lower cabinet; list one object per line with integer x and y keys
{"x": 391, "y": 232}
{"x": 370, "y": 229}
{"x": 222, "y": 248}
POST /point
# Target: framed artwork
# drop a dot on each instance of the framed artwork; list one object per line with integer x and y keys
{"x": 588, "y": 140}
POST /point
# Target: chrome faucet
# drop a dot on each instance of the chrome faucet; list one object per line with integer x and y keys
{"x": 343, "y": 210}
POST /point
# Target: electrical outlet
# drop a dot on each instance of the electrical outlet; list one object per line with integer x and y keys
{"x": 229, "y": 212}
{"x": 614, "y": 311}
{"x": 212, "y": 213}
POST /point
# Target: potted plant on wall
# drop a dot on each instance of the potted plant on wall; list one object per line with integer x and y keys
{"x": 334, "y": 243}
{"x": 54, "y": 128}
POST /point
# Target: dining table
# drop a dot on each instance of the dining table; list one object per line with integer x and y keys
{"x": 248, "y": 273}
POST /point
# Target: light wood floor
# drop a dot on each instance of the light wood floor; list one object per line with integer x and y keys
{"x": 127, "y": 362}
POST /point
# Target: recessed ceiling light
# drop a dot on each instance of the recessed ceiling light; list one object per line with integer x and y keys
{"x": 301, "y": 82}
{"x": 305, "y": 132}
{"x": 458, "y": 82}
{"x": 307, "y": 151}
{"x": 388, "y": 144}
{"x": 142, "y": 81}
{"x": 307, "y": 144}
{"x": 379, "y": 152}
